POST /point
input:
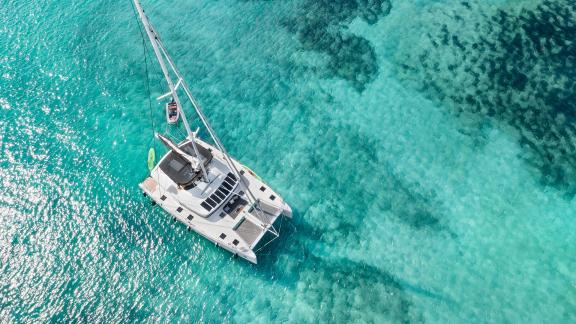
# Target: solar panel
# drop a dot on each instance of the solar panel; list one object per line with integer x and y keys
{"x": 210, "y": 202}
{"x": 206, "y": 206}
{"x": 221, "y": 193}
{"x": 216, "y": 198}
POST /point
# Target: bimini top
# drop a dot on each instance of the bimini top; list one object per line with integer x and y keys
{"x": 180, "y": 170}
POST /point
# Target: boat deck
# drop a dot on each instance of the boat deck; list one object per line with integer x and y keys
{"x": 234, "y": 223}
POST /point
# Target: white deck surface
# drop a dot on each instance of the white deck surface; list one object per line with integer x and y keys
{"x": 239, "y": 234}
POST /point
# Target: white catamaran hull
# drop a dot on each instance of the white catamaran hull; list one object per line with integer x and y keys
{"x": 240, "y": 232}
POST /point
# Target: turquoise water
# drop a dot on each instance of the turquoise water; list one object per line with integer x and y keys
{"x": 426, "y": 147}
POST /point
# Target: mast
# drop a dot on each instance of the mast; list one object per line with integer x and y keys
{"x": 161, "y": 54}
{"x": 154, "y": 40}
{"x": 200, "y": 114}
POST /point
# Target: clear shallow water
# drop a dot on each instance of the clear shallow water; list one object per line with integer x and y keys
{"x": 426, "y": 147}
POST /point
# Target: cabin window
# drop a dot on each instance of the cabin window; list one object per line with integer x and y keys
{"x": 272, "y": 197}
{"x": 262, "y": 188}
{"x": 163, "y": 198}
{"x": 235, "y": 242}
{"x": 190, "y": 217}
{"x": 180, "y": 209}
{"x": 222, "y": 236}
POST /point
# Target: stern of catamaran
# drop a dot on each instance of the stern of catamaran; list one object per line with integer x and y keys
{"x": 287, "y": 210}
{"x": 250, "y": 256}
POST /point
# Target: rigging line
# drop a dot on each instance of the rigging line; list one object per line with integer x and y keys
{"x": 160, "y": 84}
{"x": 263, "y": 246}
{"x": 146, "y": 52}
{"x": 275, "y": 237}
{"x": 147, "y": 74}
{"x": 281, "y": 223}
{"x": 151, "y": 114}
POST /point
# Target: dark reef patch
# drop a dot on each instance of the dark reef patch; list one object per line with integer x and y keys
{"x": 513, "y": 68}
{"x": 383, "y": 193}
{"x": 346, "y": 289}
{"x": 320, "y": 27}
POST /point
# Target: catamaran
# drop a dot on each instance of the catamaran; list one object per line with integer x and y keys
{"x": 200, "y": 184}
